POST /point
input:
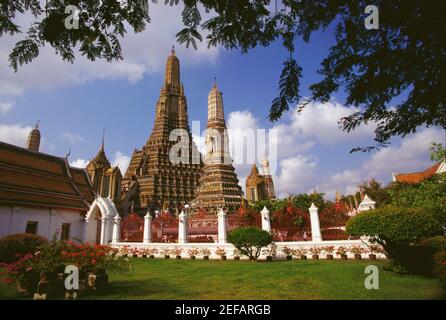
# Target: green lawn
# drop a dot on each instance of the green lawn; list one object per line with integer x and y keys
{"x": 189, "y": 279}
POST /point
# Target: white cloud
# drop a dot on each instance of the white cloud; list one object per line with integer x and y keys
{"x": 320, "y": 121}
{"x": 411, "y": 155}
{"x": 16, "y": 134}
{"x": 6, "y": 106}
{"x": 297, "y": 174}
{"x": 122, "y": 161}
{"x": 299, "y": 170}
{"x": 72, "y": 137}
{"x": 79, "y": 163}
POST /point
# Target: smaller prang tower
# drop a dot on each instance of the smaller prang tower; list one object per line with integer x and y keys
{"x": 258, "y": 186}
{"x": 218, "y": 186}
{"x": 33, "y": 143}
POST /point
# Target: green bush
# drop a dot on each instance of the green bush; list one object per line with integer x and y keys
{"x": 398, "y": 230}
{"x": 395, "y": 225}
{"x": 438, "y": 243}
{"x": 15, "y": 245}
{"x": 439, "y": 264}
{"x": 249, "y": 241}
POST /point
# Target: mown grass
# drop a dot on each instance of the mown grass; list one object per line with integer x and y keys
{"x": 192, "y": 279}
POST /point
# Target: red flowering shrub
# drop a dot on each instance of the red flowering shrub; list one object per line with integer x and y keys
{"x": 14, "y": 246}
{"x": 55, "y": 255}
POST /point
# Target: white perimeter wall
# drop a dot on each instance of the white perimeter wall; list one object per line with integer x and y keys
{"x": 230, "y": 248}
{"x": 13, "y": 220}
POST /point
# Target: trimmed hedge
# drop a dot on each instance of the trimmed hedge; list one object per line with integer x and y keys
{"x": 395, "y": 225}
{"x": 249, "y": 240}
{"x": 399, "y": 231}
{"x": 15, "y": 245}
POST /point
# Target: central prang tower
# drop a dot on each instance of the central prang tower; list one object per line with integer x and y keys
{"x": 152, "y": 180}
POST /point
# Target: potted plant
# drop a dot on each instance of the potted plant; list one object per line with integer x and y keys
{"x": 357, "y": 251}
{"x": 236, "y": 254}
{"x": 124, "y": 251}
{"x": 177, "y": 252}
{"x": 374, "y": 249}
{"x": 300, "y": 253}
{"x": 329, "y": 251}
{"x": 166, "y": 252}
{"x": 268, "y": 253}
{"x": 221, "y": 252}
{"x": 143, "y": 252}
{"x": 288, "y": 252}
{"x": 135, "y": 252}
{"x": 205, "y": 252}
{"x": 193, "y": 252}
{"x": 315, "y": 252}
{"x": 342, "y": 251}
{"x": 151, "y": 252}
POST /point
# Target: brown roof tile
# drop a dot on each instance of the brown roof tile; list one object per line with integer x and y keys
{"x": 417, "y": 177}
{"x": 37, "y": 179}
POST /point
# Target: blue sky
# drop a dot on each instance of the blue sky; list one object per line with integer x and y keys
{"x": 74, "y": 103}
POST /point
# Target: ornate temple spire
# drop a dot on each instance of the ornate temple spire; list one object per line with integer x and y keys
{"x": 101, "y": 158}
{"x": 254, "y": 170}
{"x": 33, "y": 143}
{"x": 216, "y": 116}
{"x": 172, "y": 75}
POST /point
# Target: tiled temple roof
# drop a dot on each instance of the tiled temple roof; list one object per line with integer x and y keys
{"x": 416, "y": 177}
{"x": 40, "y": 180}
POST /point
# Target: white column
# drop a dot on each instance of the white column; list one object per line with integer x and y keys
{"x": 85, "y": 230}
{"x": 147, "y": 238}
{"x": 266, "y": 222}
{"x": 182, "y": 228}
{"x": 103, "y": 227}
{"x": 315, "y": 226}
{"x": 222, "y": 237}
{"x": 116, "y": 229}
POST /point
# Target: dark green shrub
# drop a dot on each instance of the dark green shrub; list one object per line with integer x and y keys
{"x": 393, "y": 225}
{"x": 15, "y": 245}
{"x": 249, "y": 241}
{"x": 438, "y": 243}
{"x": 397, "y": 230}
{"x": 439, "y": 264}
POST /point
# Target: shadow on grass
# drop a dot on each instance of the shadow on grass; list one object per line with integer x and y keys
{"x": 136, "y": 289}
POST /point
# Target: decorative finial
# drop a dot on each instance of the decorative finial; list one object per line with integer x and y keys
{"x": 215, "y": 82}
{"x": 173, "y": 50}
{"x": 103, "y": 139}
{"x": 37, "y": 124}
{"x": 68, "y": 154}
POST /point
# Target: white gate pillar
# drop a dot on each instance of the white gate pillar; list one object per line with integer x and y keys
{"x": 147, "y": 237}
{"x": 182, "y": 228}
{"x": 266, "y": 221}
{"x": 103, "y": 230}
{"x": 222, "y": 237}
{"x": 116, "y": 235}
{"x": 315, "y": 226}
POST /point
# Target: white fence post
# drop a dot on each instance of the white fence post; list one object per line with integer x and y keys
{"x": 266, "y": 221}
{"x": 315, "y": 226}
{"x": 222, "y": 238}
{"x": 116, "y": 234}
{"x": 182, "y": 228}
{"x": 147, "y": 237}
